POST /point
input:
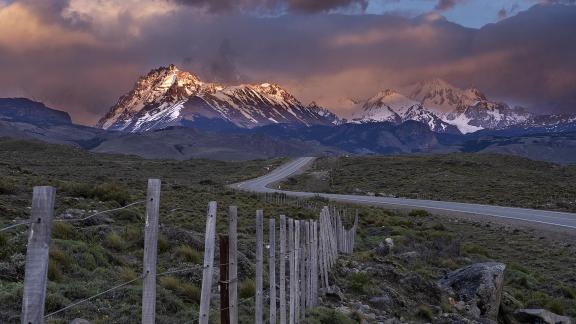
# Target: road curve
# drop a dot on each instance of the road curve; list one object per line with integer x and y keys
{"x": 552, "y": 218}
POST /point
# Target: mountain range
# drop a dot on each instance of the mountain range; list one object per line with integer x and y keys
{"x": 173, "y": 114}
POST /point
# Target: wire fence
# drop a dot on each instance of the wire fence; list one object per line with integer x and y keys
{"x": 310, "y": 244}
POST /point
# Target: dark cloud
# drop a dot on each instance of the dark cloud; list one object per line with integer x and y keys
{"x": 275, "y": 6}
{"x": 526, "y": 59}
{"x": 443, "y": 5}
{"x": 502, "y": 13}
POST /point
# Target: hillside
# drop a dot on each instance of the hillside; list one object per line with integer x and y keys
{"x": 91, "y": 256}
{"x": 478, "y": 178}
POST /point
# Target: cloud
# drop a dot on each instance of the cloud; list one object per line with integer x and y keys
{"x": 82, "y": 59}
{"x": 444, "y": 5}
{"x": 276, "y": 6}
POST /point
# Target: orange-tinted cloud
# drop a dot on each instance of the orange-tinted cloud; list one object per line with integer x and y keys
{"x": 82, "y": 58}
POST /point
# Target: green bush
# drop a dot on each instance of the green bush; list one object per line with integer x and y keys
{"x": 63, "y": 231}
{"x": 60, "y": 257}
{"x": 188, "y": 254}
{"x": 103, "y": 192}
{"x": 419, "y": 213}
{"x": 470, "y": 249}
{"x": 360, "y": 282}
{"x": 163, "y": 243}
{"x": 115, "y": 242}
{"x": 246, "y": 288}
{"x": 7, "y": 188}
{"x": 555, "y": 306}
{"x": 425, "y": 312}
{"x": 54, "y": 271}
{"x": 127, "y": 274}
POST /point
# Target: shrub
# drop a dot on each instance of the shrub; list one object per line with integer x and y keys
{"x": 470, "y": 248}
{"x": 7, "y": 188}
{"x": 190, "y": 292}
{"x": 247, "y": 288}
{"x": 555, "y": 306}
{"x": 360, "y": 282}
{"x": 127, "y": 274}
{"x": 63, "y": 231}
{"x": 60, "y": 257}
{"x": 104, "y": 192}
{"x": 115, "y": 242}
{"x": 425, "y": 312}
{"x": 419, "y": 213}
{"x": 54, "y": 271}
{"x": 163, "y": 243}
{"x": 170, "y": 282}
{"x": 3, "y": 240}
{"x": 188, "y": 254}
{"x": 568, "y": 292}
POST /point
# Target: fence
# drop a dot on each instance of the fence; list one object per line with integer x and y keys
{"x": 310, "y": 247}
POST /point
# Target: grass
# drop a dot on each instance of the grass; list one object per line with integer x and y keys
{"x": 91, "y": 256}
{"x": 478, "y": 178}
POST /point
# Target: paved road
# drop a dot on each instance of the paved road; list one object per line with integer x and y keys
{"x": 261, "y": 184}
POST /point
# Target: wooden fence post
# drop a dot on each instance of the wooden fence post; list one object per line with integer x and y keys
{"x": 209, "y": 242}
{"x": 150, "y": 252}
{"x": 302, "y": 261}
{"x": 314, "y": 263}
{"x": 224, "y": 298}
{"x": 282, "y": 269}
{"x": 259, "y": 265}
{"x": 297, "y": 269}
{"x": 272, "y": 268}
{"x": 233, "y": 264}
{"x": 36, "y": 269}
{"x": 291, "y": 254}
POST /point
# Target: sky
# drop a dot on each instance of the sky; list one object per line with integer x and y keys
{"x": 82, "y": 55}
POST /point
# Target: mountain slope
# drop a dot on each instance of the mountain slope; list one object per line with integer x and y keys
{"x": 391, "y": 106}
{"x": 170, "y": 97}
{"x": 28, "y": 111}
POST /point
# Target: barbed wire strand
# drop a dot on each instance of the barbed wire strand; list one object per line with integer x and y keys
{"x": 76, "y": 219}
{"x": 94, "y": 296}
{"x": 100, "y": 213}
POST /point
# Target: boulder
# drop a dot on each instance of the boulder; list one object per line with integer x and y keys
{"x": 386, "y": 247}
{"x": 478, "y": 286}
{"x": 540, "y": 316}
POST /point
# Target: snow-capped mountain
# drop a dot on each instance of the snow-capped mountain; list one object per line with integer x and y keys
{"x": 391, "y": 106}
{"x": 442, "y": 107}
{"x": 468, "y": 109}
{"x": 169, "y": 97}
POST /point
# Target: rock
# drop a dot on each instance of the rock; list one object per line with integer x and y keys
{"x": 508, "y": 305}
{"x": 79, "y": 321}
{"x": 344, "y": 310}
{"x": 409, "y": 256}
{"x": 479, "y": 286}
{"x": 540, "y": 316}
{"x": 389, "y": 300}
{"x": 386, "y": 247}
{"x": 333, "y": 293}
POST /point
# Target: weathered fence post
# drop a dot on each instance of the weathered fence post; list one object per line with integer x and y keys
{"x": 150, "y": 252}
{"x": 302, "y": 261}
{"x": 297, "y": 269}
{"x": 36, "y": 269}
{"x": 224, "y": 301}
{"x": 272, "y": 268}
{"x": 259, "y": 265}
{"x": 291, "y": 254}
{"x": 209, "y": 242}
{"x": 233, "y": 264}
{"x": 282, "y": 269}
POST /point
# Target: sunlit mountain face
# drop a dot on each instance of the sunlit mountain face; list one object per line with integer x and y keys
{"x": 81, "y": 56}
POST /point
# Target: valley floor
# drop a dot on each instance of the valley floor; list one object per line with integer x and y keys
{"x": 91, "y": 256}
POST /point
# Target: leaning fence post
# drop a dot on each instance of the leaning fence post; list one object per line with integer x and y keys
{"x": 302, "y": 261}
{"x": 259, "y": 265}
{"x": 150, "y": 252}
{"x": 272, "y": 268}
{"x": 224, "y": 279}
{"x": 297, "y": 270}
{"x": 36, "y": 269}
{"x": 209, "y": 243}
{"x": 233, "y": 264}
{"x": 282, "y": 269}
